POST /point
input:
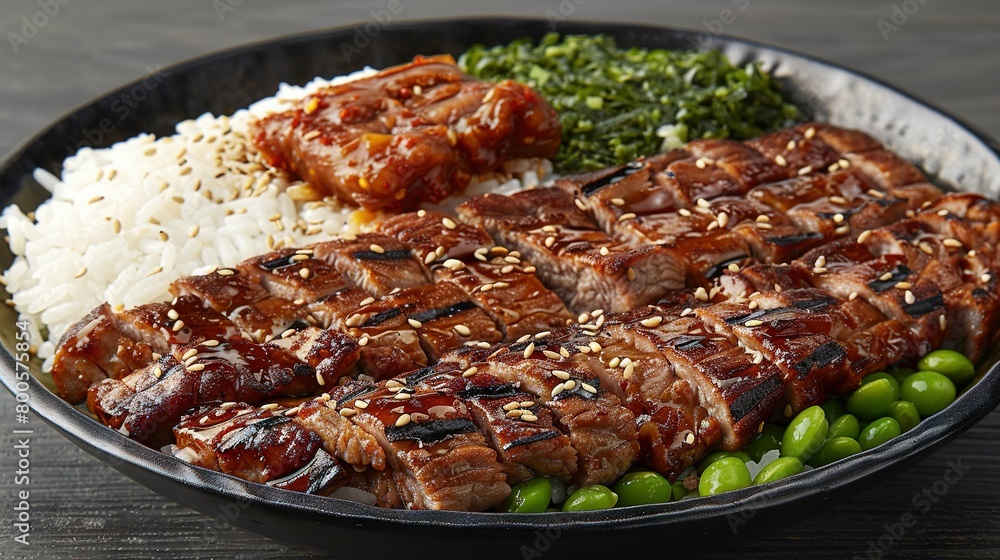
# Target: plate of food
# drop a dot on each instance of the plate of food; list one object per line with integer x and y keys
{"x": 477, "y": 282}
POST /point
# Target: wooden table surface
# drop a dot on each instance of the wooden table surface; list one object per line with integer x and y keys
{"x": 945, "y": 52}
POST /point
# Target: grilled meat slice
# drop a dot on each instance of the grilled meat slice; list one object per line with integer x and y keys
{"x": 601, "y": 430}
{"x": 886, "y": 168}
{"x": 442, "y": 315}
{"x": 293, "y": 274}
{"x": 149, "y": 402}
{"x": 438, "y": 457}
{"x": 339, "y": 436}
{"x": 739, "y": 160}
{"x": 243, "y": 300}
{"x": 500, "y": 282}
{"x": 809, "y": 360}
{"x": 105, "y": 344}
{"x": 389, "y": 344}
{"x": 581, "y": 263}
{"x": 410, "y": 134}
{"x": 375, "y": 263}
{"x": 796, "y": 149}
{"x": 516, "y": 426}
{"x": 263, "y": 446}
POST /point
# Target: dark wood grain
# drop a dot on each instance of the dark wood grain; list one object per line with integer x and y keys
{"x": 945, "y": 52}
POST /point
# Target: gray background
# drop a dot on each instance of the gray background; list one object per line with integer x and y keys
{"x": 945, "y": 52}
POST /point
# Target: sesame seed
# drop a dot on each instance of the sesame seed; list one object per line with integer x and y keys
{"x": 875, "y": 193}
{"x": 630, "y": 273}
{"x": 838, "y": 218}
{"x": 288, "y": 332}
{"x": 367, "y": 301}
{"x": 618, "y": 201}
{"x": 595, "y": 347}
{"x": 563, "y": 352}
{"x": 116, "y": 225}
{"x": 470, "y": 372}
{"x": 702, "y": 203}
{"x": 954, "y": 243}
{"x": 589, "y": 388}
{"x": 819, "y": 270}
{"x": 700, "y": 163}
{"x": 580, "y": 204}
{"x": 529, "y": 350}
{"x": 885, "y": 277}
{"x": 583, "y": 349}
{"x": 788, "y": 411}
{"x": 570, "y": 385}
{"x": 189, "y": 354}
{"x": 453, "y": 264}
{"x": 529, "y": 417}
{"x": 652, "y": 321}
{"x": 942, "y": 322}
{"x": 348, "y": 412}
{"x": 375, "y": 248}
{"x": 550, "y": 241}
{"x": 810, "y": 132}
{"x": 449, "y": 223}
{"x": 210, "y": 343}
{"x": 754, "y": 323}
{"x": 864, "y": 236}
{"x": 820, "y": 262}
{"x": 790, "y": 146}
{"x": 514, "y": 412}
{"x": 844, "y": 163}
{"x": 853, "y": 296}
{"x": 512, "y": 259}
{"x": 723, "y": 219}
{"x": 942, "y": 213}
{"x": 362, "y": 404}
{"x": 842, "y": 230}
{"x": 763, "y": 219}
{"x": 463, "y": 330}
{"x": 909, "y": 297}
{"x": 763, "y": 225}
{"x": 402, "y": 396}
{"x": 178, "y": 325}
{"x": 414, "y": 323}
{"x": 529, "y": 269}
{"x": 557, "y": 390}
{"x": 689, "y": 438}
{"x": 549, "y": 229}
{"x": 701, "y": 294}
{"x": 543, "y": 334}
{"x": 421, "y": 213}
{"x": 926, "y": 247}
{"x": 903, "y": 285}
{"x": 225, "y": 272}
{"x": 834, "y": 167}
{"x": 363, "y": 341}
{"x": 780, "y": 160}
{"x": 614, "y": 362}
{"x": 626, "y": 216}
{"x": 777, "y": 288}
{"x": 753, "y": 305}
{"x": 629, "y": 370}
{"x": 758, "y": 358}
{"x": 985, "y": 278}
{"x": 196, "y": 367}
{"x": 684, "y": 212}
{"x": 402, "y": 420}
{"x": 560, "y": 374}
{"x": 805, "y": 170}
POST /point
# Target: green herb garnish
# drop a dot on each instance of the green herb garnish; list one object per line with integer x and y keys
{"x": 617, "y": 104}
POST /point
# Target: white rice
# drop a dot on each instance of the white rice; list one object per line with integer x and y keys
{"x": 125, "y": 221}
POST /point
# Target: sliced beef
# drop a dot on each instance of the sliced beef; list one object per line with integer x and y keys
{"x": 375, "y": 263}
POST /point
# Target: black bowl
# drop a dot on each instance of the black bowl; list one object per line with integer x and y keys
{"x": 951, "y": 152}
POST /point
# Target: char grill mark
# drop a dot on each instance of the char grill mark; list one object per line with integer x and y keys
{"x": 257, "y": 445}
{"x": 439, "y": 460}
{"x": 497, "y": 279}
{"x": 293, "y": 274}
{"x": 581, "y": 263}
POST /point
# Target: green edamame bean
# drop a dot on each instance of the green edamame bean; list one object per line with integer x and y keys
{"x": 845, "y": 426}
{"x": 805, "y": 434}
{"x": 716, "y": 455}
{"x": 782, "y": 467}
{"x": 906, "y": 414}
{"x": 530, "y": 496}
{"x": 834, "y": 408}
{"x": 872, "y": 400}
{"x": 883, "y": 375}
{"x": 725, "y": 474}
{"x": 879, "y": 432}
{"x": 835, "y": 449}
{"x": 642, "y": 488}
{"x": 901, "y": 372}
{"x": 950, "y": 364}
{"x": 768, "y": 439}
{"x": 591, "y": 498}
{"x": 929, "y": 391}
